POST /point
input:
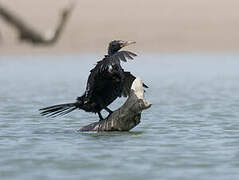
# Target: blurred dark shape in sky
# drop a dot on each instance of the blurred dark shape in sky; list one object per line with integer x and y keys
{"x": 32, "y": 35}
{"x": 158, "y": 26}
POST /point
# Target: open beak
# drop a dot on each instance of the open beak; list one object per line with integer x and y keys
{"x": 126, "y": 43}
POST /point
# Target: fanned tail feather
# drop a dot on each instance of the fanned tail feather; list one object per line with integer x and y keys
{"x": 58, "y": 110}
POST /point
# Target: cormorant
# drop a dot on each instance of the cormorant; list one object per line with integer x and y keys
{"x": 106, "y": 82}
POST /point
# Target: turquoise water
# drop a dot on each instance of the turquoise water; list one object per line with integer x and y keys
{"x": 190, "y": 132}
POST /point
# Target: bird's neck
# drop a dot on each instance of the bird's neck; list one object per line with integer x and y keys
{"x": 111, "y": 52}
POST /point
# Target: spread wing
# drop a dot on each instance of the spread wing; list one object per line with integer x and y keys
{"x": 110, "y": 64}
{"x": 109, "y": 61}
{"x": 123, "y": 56}
{"x": 129, "y": 79}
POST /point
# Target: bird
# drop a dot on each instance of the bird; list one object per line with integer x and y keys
{"x": 29, "y": 34}
{"x": 107, "y": 81}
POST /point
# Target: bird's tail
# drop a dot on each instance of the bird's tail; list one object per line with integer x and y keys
{"x": 59, "y": 110}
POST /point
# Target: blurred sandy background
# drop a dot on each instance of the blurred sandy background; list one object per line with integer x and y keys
{"x": 157, "y": 25}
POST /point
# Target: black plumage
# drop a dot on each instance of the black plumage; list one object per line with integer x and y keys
{"x": 106, "y": 82}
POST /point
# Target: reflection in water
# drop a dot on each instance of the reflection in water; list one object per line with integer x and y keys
{"x": 111, "y": 134}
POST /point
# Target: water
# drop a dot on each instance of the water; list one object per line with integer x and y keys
{"x": 190, "y": 132}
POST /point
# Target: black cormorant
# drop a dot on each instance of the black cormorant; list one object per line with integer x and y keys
{"x": 106, "y": 82}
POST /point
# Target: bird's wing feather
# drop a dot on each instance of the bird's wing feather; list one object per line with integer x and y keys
{"x": 106, "y": 65}
{"x": 123, "y": 56}
{"x": 108, "y": 61}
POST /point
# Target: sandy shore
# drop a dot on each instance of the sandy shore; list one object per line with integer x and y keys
{"x": 157, "y": 25}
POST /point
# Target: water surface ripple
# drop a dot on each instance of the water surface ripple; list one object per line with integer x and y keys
{"x": 190, "y": 132}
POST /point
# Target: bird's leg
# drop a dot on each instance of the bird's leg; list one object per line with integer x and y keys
{"x": 100, "y": 116}
{"x": 108, "y": 110}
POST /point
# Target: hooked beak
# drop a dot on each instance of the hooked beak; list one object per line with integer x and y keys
{"x": 126, "y": 43}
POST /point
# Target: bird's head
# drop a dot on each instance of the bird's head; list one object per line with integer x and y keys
{"x": 116, "y": 45}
